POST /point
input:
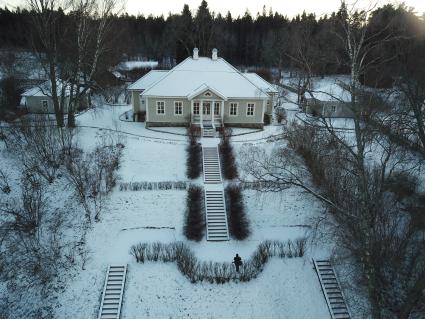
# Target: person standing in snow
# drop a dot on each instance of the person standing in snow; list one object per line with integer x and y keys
{"x": 238, "y": 262}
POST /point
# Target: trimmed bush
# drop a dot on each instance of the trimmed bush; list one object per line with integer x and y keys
{"x": 238, "y": 222}
{"x": 152, "y": 186}
{"x": 227, "y": 157}
{"x": 195, "y": 218}
{"x": 194, "y": 153}
{"x": 217, "y": 272}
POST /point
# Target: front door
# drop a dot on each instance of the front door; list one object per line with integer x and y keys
{"x": 206, "y": 115}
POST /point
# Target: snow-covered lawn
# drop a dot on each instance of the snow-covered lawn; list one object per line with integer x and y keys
{"x": 286, "y": 288}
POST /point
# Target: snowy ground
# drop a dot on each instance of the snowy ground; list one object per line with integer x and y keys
{"x": 286, "y": 289}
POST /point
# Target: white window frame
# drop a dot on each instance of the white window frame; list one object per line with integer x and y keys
{"x": 176, "y": 105}
{"x": 216, "y": 104}
{"x": 230, "y": 108}
{"x": 45, "y": 108}
{"x": 158, "y": 105}
{"x": 196, "y": 104}
{"x": 253, "y": 109}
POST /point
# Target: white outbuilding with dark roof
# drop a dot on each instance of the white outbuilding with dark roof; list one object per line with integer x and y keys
{"x": 203, "y": 91}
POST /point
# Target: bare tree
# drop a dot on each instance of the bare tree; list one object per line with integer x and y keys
{"x": 70, "y": 47}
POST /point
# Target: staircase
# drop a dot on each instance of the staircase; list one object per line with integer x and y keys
{"x": 113, "y": 291}
{"x": 331, "y": 290}
{"x": 217, "y": 229}
{"x": 211, "y": 164}
{"x": 208, "y": 132}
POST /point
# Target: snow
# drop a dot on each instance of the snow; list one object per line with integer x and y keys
{"x": 287, "y": 288}
{"x": 218, "y": 75}
{"x": 260, "y": 82}
{"x": 147, "y": 80}
{"x": 131, "y": 65}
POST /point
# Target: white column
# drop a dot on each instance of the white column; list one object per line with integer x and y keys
{"x": 191, "y": 111}
{"x": 264, "y": 110}
{"x": 201, "y": 112}
{"x": 222, "y": 112}
{"x": 147, "y": 110}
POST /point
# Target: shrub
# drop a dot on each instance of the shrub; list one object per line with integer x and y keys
{"x": 194, "y": 154}
{"x": 149, "y": 186}
{"x": 238, "y": 222}
{"x": 195, "y": 218}
{"x": 402, "y": 184}
{"x": 280, "y": 115}
{"x": 267, "y": 119}
{"x": 227, "y": 157}
{"x": 141, "y": 116}
{"x": 216, "y": 272}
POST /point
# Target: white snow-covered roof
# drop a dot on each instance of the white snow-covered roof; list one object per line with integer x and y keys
{"x": 191, "y": 74}
{"x": 204, "y": 88}
{"x": 131, "y": 65}
{"x": 147, "y": 80}
{"x": 44, "y": 89}
{"x": 260, "y": 82}
{"x": 330, "y": 89}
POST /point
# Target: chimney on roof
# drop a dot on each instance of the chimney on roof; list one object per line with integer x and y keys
{"x": 214, "y": 54}
{"x": 195, "y": 54}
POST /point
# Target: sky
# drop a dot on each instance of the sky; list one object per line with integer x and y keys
{"x": 238, "y": 7}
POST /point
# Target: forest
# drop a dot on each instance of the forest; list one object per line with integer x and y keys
{"x": 266, "y": 39}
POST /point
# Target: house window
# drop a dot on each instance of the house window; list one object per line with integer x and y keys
{"x": 160, "y": 107}
{"x": 178, "y": 108}
{"x": 207, "y": 108}
{"x": 250, "y": 108}
{"x": 234, "y": 109}
{"x": 333, "y": 108}
{"x": 216, "y": 108}
{"x": 196, "y": 108}
{"x": 45, "y": 105}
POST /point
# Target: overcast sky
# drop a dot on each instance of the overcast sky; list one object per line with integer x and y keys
{"x": 237, "y": 7}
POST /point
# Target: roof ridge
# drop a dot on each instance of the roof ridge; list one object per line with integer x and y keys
{"x": 241, "y": 74}
{"x": 168, "y": 74}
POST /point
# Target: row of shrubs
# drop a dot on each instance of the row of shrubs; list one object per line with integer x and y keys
{"x": 227, "y": 157}
{"x": 236, "y": 216}
{"x": 217, "y": 272}
{"x": 194, "y": 153}
{"x": 194, "y": 225}
{"x": 152, "y": 186}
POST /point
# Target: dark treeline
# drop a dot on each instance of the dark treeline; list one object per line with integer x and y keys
{"x": 268, "y": 39}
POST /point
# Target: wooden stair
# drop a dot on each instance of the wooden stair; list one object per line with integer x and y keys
{"x": 211, "y": 165}
{"x": 110, "y": 307}
{"x": 217, "y": 228}
{"x": 331, "y": 289}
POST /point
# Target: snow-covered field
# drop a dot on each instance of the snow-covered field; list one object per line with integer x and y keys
{"x": 286, "y": 289}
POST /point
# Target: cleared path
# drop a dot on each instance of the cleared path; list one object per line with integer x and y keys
{"x": 211, "y": 164}
{"x": 331, "y": 290}
{"x": 110, "y": 307}
{"x": 217, "y": 228}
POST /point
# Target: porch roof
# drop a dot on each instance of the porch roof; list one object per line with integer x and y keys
{"x": 204, "y": 88}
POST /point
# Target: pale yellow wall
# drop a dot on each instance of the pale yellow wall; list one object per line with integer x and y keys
{"x": 34, "y": 104}
{"x": 169, "y": 111}
{"x": 242, "y": 107}
{"x": 170, "y": 117}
